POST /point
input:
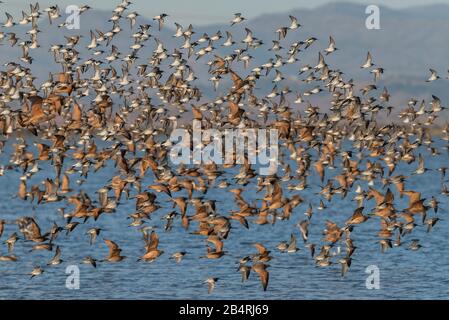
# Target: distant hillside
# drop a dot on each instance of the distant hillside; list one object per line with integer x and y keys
{"x": 409, "y": 43}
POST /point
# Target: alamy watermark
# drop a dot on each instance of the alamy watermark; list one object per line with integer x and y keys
{"x": 373, "y": 20}
{"x": 373, "y": 280}
{"x": 72, "y": 281}
{"x": 229, "y": 146}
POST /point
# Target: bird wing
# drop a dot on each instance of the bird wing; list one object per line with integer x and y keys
{"x": 292, "y": 244}
{"x": 368, "y": 59}
{"x": 389, "y": 196}
{"x": 263, "y": 274}
{"x": 197, "y": 113}
{"x": 113, "y": 247}
{"x": 210, "y": 287}
{"x": 260, "y": 248}
{"x": 76, "y": 113}
{"x": 293, "y": 19}
{"x": 57, "y": 254}
{"x": 358, "y": 213}
{"x": 320, "y": 169}
{"x": 383, "y": 224}
{"x": 217, "y": 243}
{"x": 414, "y": 196}
{"x": 34, "y": 228}
{"x": 421, "y": 161}
{"x": 50, "y": 187}
{"x": 407, "y": 217}
{"x": 233, "y": 108}
{"x": 331, "y": 225}
{"x": 22, "y": 190}
{"x": 65, "y": 182}
{"x": 303, "y": 227}
{"x": 154, "y": 241}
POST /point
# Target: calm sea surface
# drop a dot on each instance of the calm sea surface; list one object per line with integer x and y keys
{"x": 404, "y": 274}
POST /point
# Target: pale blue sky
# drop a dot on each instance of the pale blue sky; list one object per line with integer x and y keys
{"x": 200, "y": 12}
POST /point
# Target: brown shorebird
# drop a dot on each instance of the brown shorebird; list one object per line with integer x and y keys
{"x": 261, "y": 270}
{"x": 114, "y": 252}
{"x": 152, "y": 252}
{"x": 211, "y": 283}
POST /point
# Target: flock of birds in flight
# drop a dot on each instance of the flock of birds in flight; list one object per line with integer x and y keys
{"x": 90, "y": 100}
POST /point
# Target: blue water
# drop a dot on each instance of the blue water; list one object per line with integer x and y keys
{"x": 404, "y": 274}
